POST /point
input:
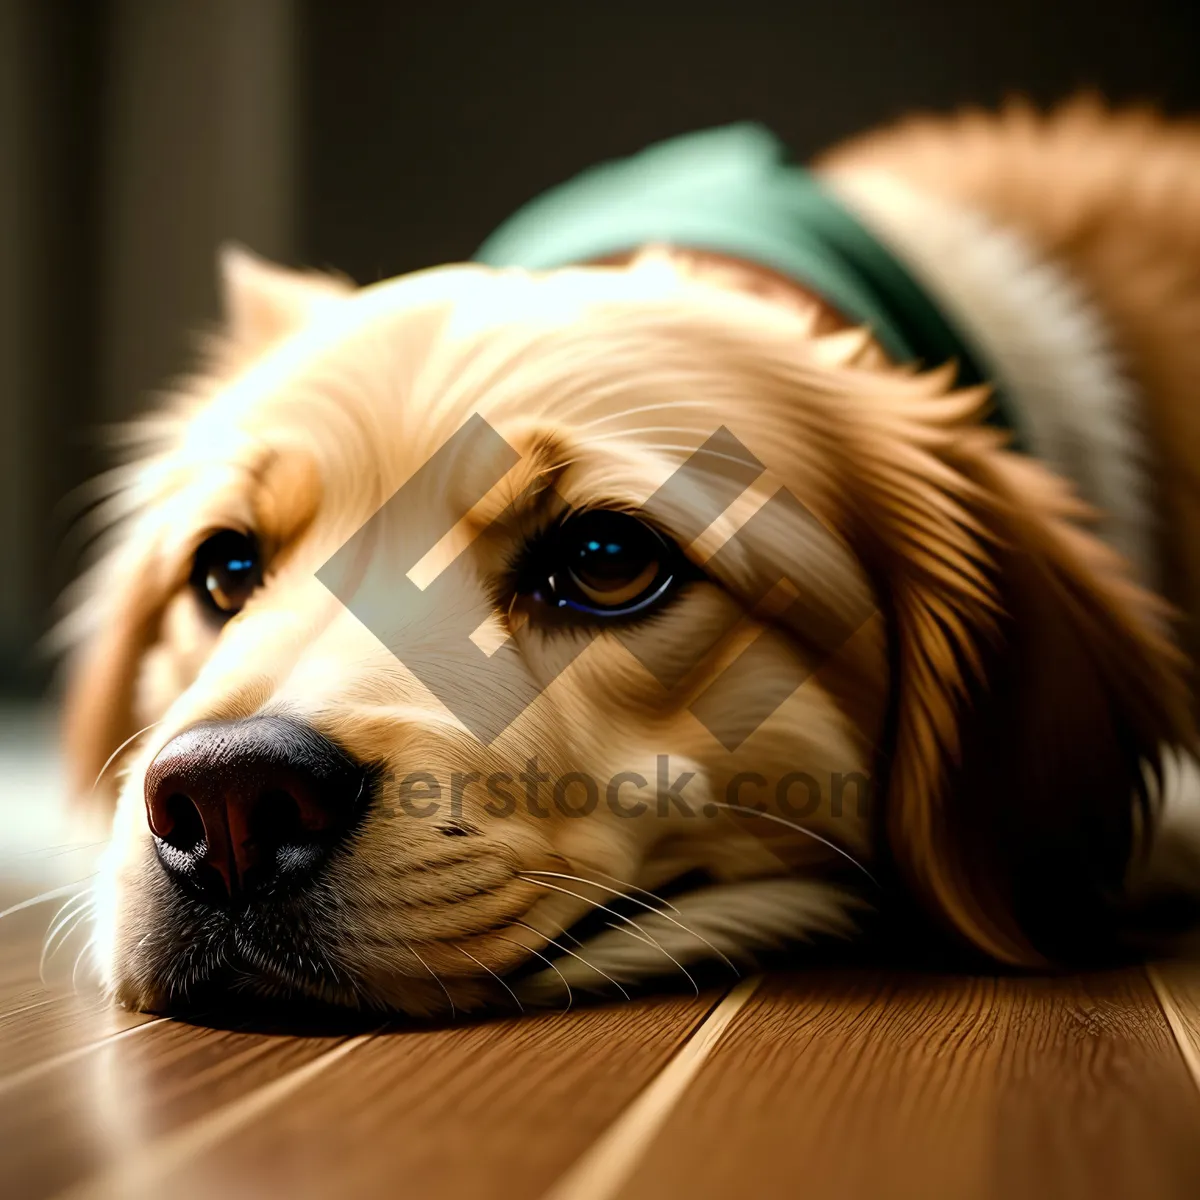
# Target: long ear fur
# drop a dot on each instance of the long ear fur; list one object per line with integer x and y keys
{"x": 1036, "y": 685}
{"x": 115, "y": 627}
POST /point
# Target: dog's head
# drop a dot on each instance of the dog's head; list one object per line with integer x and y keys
{"x": 451, "y": 612}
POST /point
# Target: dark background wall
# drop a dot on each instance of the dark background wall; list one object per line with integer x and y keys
{"x": 379, "y": 136}
{"x": 425, "y": 124}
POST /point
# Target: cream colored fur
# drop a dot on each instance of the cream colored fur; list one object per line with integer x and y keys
{"x": 583, "y": 371}
{"x": 1013, "y": 688}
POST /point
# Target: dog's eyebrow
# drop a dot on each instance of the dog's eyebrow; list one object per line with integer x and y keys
{"x": 524, "y": 491}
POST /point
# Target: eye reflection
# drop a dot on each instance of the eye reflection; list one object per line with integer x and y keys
{"x": 225, "y": 572}
{"x": 606, "y": 564}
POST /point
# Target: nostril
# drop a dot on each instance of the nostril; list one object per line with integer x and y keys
{"x": 290, "y": 830}
{"x": 276, "y": 818}
{"x": 179, "y": 829}
{"x": 183, "y": 827}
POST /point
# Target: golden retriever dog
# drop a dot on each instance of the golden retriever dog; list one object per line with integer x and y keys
{"x": 518, "y": 629}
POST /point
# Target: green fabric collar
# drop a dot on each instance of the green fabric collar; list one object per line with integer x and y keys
{"x": 733, "y": 190}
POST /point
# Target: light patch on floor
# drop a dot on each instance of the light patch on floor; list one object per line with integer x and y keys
{"x": 39, "y": 840}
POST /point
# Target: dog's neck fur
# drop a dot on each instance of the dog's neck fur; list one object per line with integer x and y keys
{"x": 1033, "y": 327}
{"x": 1040, "y": 335}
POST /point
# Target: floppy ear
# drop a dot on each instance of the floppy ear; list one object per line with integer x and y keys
{"x": 120, "y": 620}
{"x": 1035, "y": 685}
{"x": 262, "y": 302}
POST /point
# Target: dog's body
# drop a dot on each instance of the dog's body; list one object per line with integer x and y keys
{"x": 1009, "y": 681}
{"x": 1071, "y": 246}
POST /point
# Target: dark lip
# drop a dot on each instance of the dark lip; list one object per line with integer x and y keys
{"x": 240, "y": 972}
{"x": 233, "y": 998}
{"x": 211, "y": 958}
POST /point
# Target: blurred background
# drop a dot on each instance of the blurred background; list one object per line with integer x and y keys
{"x": 379, "y": 136}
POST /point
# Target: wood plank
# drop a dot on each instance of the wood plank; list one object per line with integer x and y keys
{"x": 46, "y": 1014}
{"x": 1177, "y": 985}
{"x": 47, "y": 1030}
{"x": 103, "y": 1107}
{"x": 864, "y": 1085}
{"x": 495, "y": 1109}
{"x": 23, "y": 934}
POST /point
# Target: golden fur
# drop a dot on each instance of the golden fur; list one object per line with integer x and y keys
{"x": 1113, "y": 196}
{"x": 1010, "y": 698}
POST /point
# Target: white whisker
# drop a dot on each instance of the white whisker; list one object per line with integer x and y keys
{"x": 632, "y": 900}
{"x": 109, "y": 761}
{"x": 45, "y": 957}
{"x": 632, "y": 887}
{"x": 497, "y": 978}
{"x": 65, "y": 890}
{"x": 753, "y": 812}
{"x": 52, "y": 851}
{"x": 70, "y": 908}
{"x": 65, "y": 924}
{"x": 635, "y": 931}
{"x": 572, "y": 953}
{"x": 641, "y": 935}
{"x": 547, "y": 961}
{"x": 436, "y": 978}
{"x": 78, "y": 959}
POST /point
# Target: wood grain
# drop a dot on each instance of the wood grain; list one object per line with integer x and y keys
{"x": 482, "y": 1110}
{"x": 47, "y": 1010}
{"x": 1177, "y": 985}
{"x": 826, "y": 1084}
{"x": 105, "y": 1105}
{"x": 862, "y": 1085}
{"x": 53, "y": 1028}
{"x": 23, "y": 934}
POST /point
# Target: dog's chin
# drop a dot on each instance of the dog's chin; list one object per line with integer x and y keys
{"x": 197, "y": 960}
{"x": 177, "y": 957}
{"x": 273, "y": 961}
{"x": 238, "y": 971}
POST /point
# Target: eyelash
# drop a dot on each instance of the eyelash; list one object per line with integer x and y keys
{"x": 540, "y": 573}
{"x": 531, "y": 566}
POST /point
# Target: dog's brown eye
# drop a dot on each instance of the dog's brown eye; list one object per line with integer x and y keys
{"x": 608, "y": 564}
{"x": 225, "y": 571}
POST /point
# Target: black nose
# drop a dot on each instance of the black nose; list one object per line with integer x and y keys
{"x": 243, "y": 808}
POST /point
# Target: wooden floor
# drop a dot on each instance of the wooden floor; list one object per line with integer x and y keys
{"x": 828, "y": 1083}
